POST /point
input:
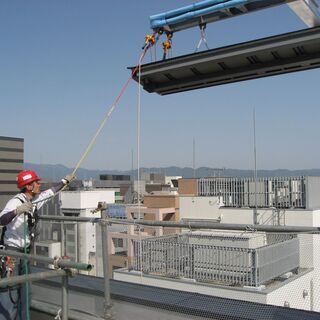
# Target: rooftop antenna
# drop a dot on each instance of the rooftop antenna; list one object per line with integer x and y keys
{"x": 194, "y": 158}
{"x": 255, "y": 210}
{"x": 132, "y": 172}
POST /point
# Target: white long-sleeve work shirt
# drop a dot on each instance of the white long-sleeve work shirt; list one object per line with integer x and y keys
{"x": 17, "y": 232}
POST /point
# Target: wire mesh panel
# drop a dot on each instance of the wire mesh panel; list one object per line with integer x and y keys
{"x": 278, "y": 192}
{"x": 210, "y": 263}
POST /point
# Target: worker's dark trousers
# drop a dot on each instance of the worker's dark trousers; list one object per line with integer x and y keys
{"x": 13, "y": 300}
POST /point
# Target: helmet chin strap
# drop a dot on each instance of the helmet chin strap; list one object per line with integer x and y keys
{"x": 32, "y": 189}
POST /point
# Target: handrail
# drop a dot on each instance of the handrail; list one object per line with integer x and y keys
{"x": 190, "y": 224}
{"x": 11, "y": 281}
{"x": 60, "y": 263}
{"x": 69, "y": 219}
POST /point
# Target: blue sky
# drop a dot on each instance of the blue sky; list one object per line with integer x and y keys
{"x": 63, "y": 62}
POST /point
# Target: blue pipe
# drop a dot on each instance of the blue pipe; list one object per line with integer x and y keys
{"x": 219, "y": 4}
{"x": 192, "y": 7}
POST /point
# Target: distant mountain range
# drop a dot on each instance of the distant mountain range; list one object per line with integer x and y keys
{"x": 57, "y": 171}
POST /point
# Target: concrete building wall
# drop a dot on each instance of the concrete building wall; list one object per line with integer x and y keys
{"x": 199, "y": 207}
{"x": 290, "y": 291}
{"x": 312, "y": 192}
{"x": 188, "y": 187}
{"x": 87, "y": 237}
{"x": 82, "y": 237}
{"x": 315, "y": 281}
{"x": 11, "y": 163}
{"x": 161, "y": 201}
{"x": 86, "y": 199}
{"x": 155, "y": 207}
{"x": 208, "y": 208}
{"x": 296, "y": 294}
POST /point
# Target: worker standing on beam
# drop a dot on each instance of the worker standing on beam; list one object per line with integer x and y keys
{"x": 19, "y": 218}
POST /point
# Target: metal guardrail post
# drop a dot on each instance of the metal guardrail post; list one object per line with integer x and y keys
{"x": 105, "y": 260}
{"x": 65, "y": 301}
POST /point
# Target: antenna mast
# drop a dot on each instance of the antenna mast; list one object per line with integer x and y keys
{"x": 194, "y": 158}
{"x": 255, "y": 210}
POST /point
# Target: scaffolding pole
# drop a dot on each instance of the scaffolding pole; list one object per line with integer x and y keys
{"x": 11, "y": 281}
{"x": 105, "y": 257}
{"x": 65, "y": 300}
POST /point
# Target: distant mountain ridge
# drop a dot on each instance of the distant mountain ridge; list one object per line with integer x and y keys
{"x": 57, "y": 171}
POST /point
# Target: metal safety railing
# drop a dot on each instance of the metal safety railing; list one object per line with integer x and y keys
{"x": 178, "y": 257}
{"x": 183, "y": 259}
{"x": 63, "y": 268}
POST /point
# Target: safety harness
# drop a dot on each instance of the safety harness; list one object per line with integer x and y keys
{"x": 33, "y": 232}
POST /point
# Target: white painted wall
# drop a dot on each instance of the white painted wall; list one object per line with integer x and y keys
{"x": 290, "y": 291}
{"x": 167, "y": 179}
{"x": 188, "y": 286}
{"x": 316, "y": 263}
{"x": 293, "y": 293}
{"x": 209, "y": 208}
{"x": 199, "y": 207}
{"x": 85, "y": 199}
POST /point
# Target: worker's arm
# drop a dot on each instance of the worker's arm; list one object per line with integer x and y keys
{"x": 65, "y": 181}
{"x": 48, "y": 194}
{"x": 13, "y": 210}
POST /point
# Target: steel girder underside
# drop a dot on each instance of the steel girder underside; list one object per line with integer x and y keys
{"x": 290, "y": 52}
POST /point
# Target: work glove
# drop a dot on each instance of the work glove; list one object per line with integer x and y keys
{"x": 24, "y": 208}
{"x": 68, "y": 178}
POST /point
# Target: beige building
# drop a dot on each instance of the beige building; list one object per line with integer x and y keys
{"x": 161, "y": 206}
{"x": 188, "y": 187}
{"x": 11, "y": 162}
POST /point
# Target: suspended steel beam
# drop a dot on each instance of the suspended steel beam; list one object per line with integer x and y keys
{"x": 290, "y": 52}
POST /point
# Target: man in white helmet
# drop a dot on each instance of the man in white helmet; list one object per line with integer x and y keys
{"x": 19, "y": 218}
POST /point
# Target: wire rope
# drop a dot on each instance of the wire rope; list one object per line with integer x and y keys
{"x": 138, "y": 163}
{"x": 103, "y": 122}
{"x": 26, "y": 271}
{"x": 88, "y": 148}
